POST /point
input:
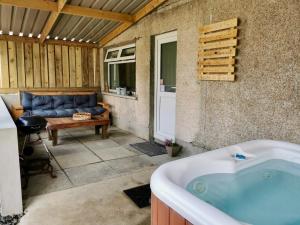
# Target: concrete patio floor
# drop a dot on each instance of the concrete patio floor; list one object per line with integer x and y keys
{"x": 91, "y": 175}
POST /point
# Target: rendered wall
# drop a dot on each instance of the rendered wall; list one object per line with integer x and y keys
{"x": 264, "y": 101}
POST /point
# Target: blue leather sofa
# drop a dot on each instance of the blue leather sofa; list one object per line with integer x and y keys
{"x": 50, "y": 106}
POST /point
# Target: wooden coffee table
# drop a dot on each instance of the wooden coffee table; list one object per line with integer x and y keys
{"x": 55, "y": 124}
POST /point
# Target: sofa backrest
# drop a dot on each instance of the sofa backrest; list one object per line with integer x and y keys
{"x": 32, "y": 101}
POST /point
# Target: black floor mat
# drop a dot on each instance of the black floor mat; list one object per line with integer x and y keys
{"x": 140, "y": 195}
{"x": 150, "y": 149}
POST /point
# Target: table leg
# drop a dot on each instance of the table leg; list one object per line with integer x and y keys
{"x": 54, "y": 137}
{"x": 49, "y": 134}
{"x": 105, "y": 131}
{"x": 97, "y": 129}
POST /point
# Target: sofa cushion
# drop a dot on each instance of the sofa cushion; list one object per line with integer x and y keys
{"x": 63, "y": 102}
{"x": 41, "y": 102}
{"x": 93, "y": 110}
{"x": 26, "y": 100}
{"x": 64, "y": 112}
{"x": 81, "y": 101}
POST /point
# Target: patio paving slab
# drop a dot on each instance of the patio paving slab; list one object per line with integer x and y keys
{"x": 72, "y": 155}
{"x": 90, "y": 173}
{"x": 112, "y": 153}
{"x": 100, "y": 144}
{"x": 127, "y": 139}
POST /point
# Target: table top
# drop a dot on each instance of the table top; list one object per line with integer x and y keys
{"x": 68, "y": 122}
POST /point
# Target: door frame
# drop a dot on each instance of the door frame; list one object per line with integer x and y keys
{"x": 161, "y": 39}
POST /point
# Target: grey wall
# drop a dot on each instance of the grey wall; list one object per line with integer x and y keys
{"x": 264, "y": 101}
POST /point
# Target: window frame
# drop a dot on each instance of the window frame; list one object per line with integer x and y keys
{"x": 120, "y": 49}
{"x": 114, "y": 63}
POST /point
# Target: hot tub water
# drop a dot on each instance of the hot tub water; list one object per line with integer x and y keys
{"x": 264, "y": 194}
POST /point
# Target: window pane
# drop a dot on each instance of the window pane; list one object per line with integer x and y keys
{"x": 122, "y": 75}
{"x": 112, "y": 54}
{"x": 168, "y": 66}
{"x": 128, "y": 52}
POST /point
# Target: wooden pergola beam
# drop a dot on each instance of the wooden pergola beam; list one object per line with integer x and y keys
{"x": 51, "y": 20}
{"x": 5, "y": 37}
{"x": 136, "y": 17}
{"x": 96, "y": 13}
{"x": 48, "y": 5}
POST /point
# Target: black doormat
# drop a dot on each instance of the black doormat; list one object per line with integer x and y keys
{"x": 140, "y": 195}
{"x": 150, "y": 149}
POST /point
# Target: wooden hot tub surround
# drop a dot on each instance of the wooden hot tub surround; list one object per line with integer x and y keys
{"x": 162, "y": 214}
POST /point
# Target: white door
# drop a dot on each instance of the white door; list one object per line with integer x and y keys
{"x": 165, "y": 86}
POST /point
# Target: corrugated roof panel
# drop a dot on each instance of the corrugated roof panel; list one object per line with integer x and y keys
{"x": 6, "y": 15}
{"x": 28, "y": 22}
{"x": 105, "y": 30}
{"x": 40, "y": 23}
{"x": 17, "y": 20}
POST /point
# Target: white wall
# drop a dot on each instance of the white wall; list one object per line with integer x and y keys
{"x": 10, "y": 183}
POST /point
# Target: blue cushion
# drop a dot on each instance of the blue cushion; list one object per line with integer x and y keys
{"x": 44, "y": 113}
{"x": 81, "y": 101}
{"x": 93, "y": 100}
{"x": 63, "y": 102}
{"x": 93, "y": 110}
{"x": 41, "y": 102}
{"x": 26, "y": 100}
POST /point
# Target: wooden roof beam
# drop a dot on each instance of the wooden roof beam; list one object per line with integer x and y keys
{"x": 136, "y": 17}
{"x": 96, "y": 13}
{"x": 51, "y": 20}
{"x": 48, "y": 5}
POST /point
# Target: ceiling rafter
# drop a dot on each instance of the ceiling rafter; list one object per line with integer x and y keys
{"x": 51, "y": 20}
{"x": 48, "y": 5}
{"x": 153, "y": 4}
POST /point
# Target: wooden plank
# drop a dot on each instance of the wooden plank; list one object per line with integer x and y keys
{"x": 154, "y": 208}
{"x": 78, "y": 67}
{"x": 65, "y": 65}
{"x": 216, "y": 77}
{"x": 58, "y": 66}
{"x": 219, "y": 26}
{"x": 176, "y": 219}
{"x": 163, "y": 212}
{"x": 51, "y": 66}
{"x": 13, "y": 74}
{"x": 4, "y": 65}
{"x": 32, "y": 4}
{"x": 72, "y": 62}
{"x": 221, "y": 35}
{"x": 91, "y": 67}
{"x": 96, "y": 13}
{"x": 36, "y": 65}
{"x": 217, "y": 69}
{"x": 44, "y": 66}
{"x": 28, "y": 65}
{"x": 97, "y": 67}
{"x": 58, "y": 91}
{"x": 51, "y": 20}
{"x": 217, "y": 62}
{"x": 153, "y": 4}
{"x": 217, "y": 53}
{"x": 219, "y": 44}
{"x": 85, "y": 71}
{"x": 21, "y": 64}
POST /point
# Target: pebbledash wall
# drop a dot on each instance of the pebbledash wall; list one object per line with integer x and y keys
{"x": 263, "y": 102}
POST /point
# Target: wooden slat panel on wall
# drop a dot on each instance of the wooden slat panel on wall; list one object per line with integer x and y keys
{"x": 33, "y": 65}
{"x": 58, "y": 66}
{"x": 44, "y": 66}
{"x": 36, "y": 65}
{"x": 28, "y": 65}
{"x": 21, "y": 65}
{"x": 4, "y": 65}
{"x": 66, "y": 68}
{"x": 78, "y": 67}
{"x": 51, "y": 66}
{"x": 85, "y": 71}
{"x": 72, "y": 61}
{"x": 13, "y": 79}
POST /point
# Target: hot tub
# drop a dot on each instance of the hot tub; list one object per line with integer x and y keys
{"x": 214, "y": 188}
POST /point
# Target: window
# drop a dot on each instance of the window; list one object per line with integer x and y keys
{"x": 121, "y": 68}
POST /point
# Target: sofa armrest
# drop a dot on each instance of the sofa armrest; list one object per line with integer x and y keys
{"x": 17, "y": 111}
{"x": 106, "y": 106}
